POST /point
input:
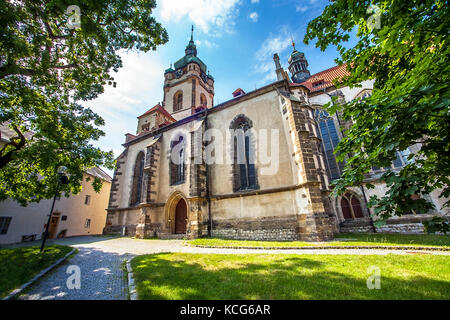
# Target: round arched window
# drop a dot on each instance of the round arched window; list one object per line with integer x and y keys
{"x": 178, "y": 101}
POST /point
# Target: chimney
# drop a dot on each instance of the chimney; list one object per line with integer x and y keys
{"x": 278, "y": 69}
{"x": 238, "y": 92}
{"x": 129, "y": 137}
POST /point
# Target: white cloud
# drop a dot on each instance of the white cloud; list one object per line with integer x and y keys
{"x": 300, "y": 8}
{"x": 140, "y": 76}
{"x": 254, "y": 16}
{"x": 139, "y": 87}
{"x": 274, "y": 43}
{"x": 205, "y": 43}
{"x": 255, "y": 1}
{"x": 206, "y": 14}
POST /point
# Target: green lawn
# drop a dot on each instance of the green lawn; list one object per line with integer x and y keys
{"x": 179, "y": 276}
{"x": 20, "y": 265}
{"x": 343, "y": 239}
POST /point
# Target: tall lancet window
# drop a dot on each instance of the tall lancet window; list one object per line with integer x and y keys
{"x": 138, "y": 173}
{"x": 330, "y": 139}
{"x": 177, "y": 165}
{"x": 244, "y": 169}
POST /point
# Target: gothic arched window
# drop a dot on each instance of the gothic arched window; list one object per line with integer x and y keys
{"x": 177, "y": 165}
{"x": 330, "y": 139}
{"x": 138, "y": 173}
{"x": 178, "y": 101}
{"x": 351, "y": 207}
{"x": 244, "y": 170}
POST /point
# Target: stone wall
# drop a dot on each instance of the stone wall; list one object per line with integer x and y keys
{"x": 267, "y": 228}
{"x": 405, "y": 224}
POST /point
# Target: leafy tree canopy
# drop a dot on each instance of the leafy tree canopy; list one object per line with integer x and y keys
{"x": 51, "y": 59}
{"x": 404, "y": 47}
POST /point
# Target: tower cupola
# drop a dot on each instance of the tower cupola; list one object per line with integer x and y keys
{"x": 298, "y": 66}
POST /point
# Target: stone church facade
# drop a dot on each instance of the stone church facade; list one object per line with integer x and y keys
{"x": 189, "y": 169}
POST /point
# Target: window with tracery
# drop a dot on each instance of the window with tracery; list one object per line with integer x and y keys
{"x": 330, "y": 139}
{"x": 177, "y": 161}
{"x": 138, "y": 173}
{"x": 244, "y": 169}
{"x": 351, "y": 207}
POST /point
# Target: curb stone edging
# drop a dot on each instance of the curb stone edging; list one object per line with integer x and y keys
{"x": 131, "y": 286}
{"x": 325, "y": 247}
{"x": 16, "y": 292}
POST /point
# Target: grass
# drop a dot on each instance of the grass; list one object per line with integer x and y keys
{"x": 20, "y": 265}
{"x": 343, "y": 239}
{"x": 178, "y": 276}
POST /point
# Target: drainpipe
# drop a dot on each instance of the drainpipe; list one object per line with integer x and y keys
{"x": 361, "y": 186}
{"x": 208, "y": 198}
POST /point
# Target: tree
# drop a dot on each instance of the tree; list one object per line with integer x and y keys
{"x": 54, "y": 55}
{"x": 403, "y": 47}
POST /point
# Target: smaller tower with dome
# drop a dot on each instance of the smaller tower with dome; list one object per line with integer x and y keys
{"x": 298, "y": 66}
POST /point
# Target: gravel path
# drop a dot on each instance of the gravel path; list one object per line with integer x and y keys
{"x": 100, "y": 260}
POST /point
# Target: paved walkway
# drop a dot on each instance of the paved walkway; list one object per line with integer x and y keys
{"x": 100, "y": 260}
{"x": 101, "y": 278}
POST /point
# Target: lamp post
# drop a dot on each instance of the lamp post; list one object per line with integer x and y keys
{"x": 62, "y": 179}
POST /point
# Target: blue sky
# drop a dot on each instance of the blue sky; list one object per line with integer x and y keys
{"x": 236, "y": 39}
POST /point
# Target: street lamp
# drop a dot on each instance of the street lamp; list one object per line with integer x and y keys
{"x": 62, "y": 179}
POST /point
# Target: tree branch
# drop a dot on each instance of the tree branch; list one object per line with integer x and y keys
{"x": 8, "y": 157}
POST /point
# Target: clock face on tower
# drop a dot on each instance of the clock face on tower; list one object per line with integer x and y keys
{"x": 178, "y": 73}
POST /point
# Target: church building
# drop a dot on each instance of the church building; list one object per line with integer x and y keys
{"x": 257, "y": 166}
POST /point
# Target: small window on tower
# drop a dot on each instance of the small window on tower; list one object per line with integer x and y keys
{"x": 202, "y": 100}
{"x": 178, "y": 101}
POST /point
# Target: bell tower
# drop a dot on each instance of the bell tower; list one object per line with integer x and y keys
{"x": 188, "y": 86}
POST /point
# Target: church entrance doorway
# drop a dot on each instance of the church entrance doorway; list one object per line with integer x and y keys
{"x": 180, "y": 217}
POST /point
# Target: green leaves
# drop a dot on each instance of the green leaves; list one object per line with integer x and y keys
{"x": 408, "y": 58}
{"x": 437, "y": 224}
{"x": 46, "y": 68}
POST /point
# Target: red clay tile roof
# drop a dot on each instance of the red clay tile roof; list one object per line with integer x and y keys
{"x": 159, "y": 108}
{"x": 323, "y": 79}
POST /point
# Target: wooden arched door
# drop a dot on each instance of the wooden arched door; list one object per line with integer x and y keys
{"x": 180, "y": 217}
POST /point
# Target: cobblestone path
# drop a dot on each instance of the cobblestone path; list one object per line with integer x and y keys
{"x": 101, "y": 278}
